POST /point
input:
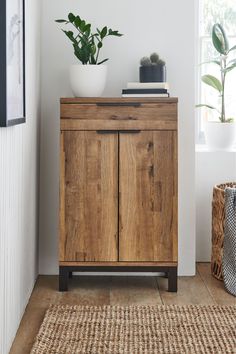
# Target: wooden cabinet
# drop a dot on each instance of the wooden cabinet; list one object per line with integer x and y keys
{"x": 118, "y": 186}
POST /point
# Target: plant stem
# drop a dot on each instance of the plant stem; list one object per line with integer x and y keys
{"x": 97, "y": 55}
{"x": 99, "y": 48}
{"x": 223, "y": 66}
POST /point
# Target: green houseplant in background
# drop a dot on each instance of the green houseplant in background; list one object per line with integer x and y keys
{"x": 221, "y": 134}
{"x": 88, "y": 78}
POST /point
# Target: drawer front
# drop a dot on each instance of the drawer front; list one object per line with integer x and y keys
{"x": 120, "y": 111}
{"x": 98, "y": 124}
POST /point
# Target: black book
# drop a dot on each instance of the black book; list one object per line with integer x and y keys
{"x": 143, "y": 91}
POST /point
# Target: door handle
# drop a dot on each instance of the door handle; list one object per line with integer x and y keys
{"x": 118, "y": 131}
{"x": 106, "y": 131}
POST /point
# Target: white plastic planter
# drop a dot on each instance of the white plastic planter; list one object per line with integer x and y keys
{"x": 88, "y": 80}
{"x": 220, "y": 136}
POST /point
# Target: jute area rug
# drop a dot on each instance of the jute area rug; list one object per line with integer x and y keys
{"x": 137, "y": 329}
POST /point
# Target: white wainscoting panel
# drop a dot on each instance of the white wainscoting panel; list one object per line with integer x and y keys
{"x": 19, "y": 157}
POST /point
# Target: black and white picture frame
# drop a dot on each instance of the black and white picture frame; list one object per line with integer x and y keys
{"x": 12, "y": 62}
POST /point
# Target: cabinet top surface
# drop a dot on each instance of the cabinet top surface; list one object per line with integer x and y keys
{"x": 91, "y": 100}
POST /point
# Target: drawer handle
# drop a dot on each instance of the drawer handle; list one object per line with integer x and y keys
{"x": 118, "y": 104}
{"x": 114, "y": 117}
{"x": 118, "y": 131}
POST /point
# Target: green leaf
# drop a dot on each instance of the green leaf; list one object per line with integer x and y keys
{"x": 70, "y": 35}
{"x": 212, "y": 81}
{"x": 61, "y": 21}
{"x": 82, "y": 54}
{"x": 82, "y": 26}
{"x": 219, "y": 39}
{"x": 233, "y": 48}
{"x": 229, "y": 120}
{"x": 103, "y": 61}
{"x": 114, "y": 33}
{"x": 93, "y": 49}
{"x": 103, "y": 32}
{"x": 71, "y": 17}
{"x": 77, "y": 53}
{"x": 206, "y": 105}
{"x": 77, "y": 21}
{"x": 217, "y": 62}
{"x": 99, "y": 45}
{"x": 229, "y": 68}
{"x": 87, "y": 29}
{"x": 232, "y": 61}
{"x": 201, "y": 105}
{"x": 84, "y": 41}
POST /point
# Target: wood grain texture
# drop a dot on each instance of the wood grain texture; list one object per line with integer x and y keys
{"x": 148, "y": 197}
{"x": 144, "y": 111}
{"x": 98, "y": 124}
{"x": 94, "y": 100}
{"x": 147, "y": 164}
{"x": 120, "y": 264}
{"x": 90, "y": 197}
{"x": 62, "y": 220}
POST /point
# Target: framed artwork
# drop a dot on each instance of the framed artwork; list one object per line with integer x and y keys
{"x": 12, "y": 62}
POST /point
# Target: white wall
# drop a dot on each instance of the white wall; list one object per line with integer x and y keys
{"x": 211, "y": 168}
{"x": 156, "y": 25}
{"x": 19, "y": 195}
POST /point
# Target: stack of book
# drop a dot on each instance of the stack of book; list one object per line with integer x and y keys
{"x": 146, "y": 89}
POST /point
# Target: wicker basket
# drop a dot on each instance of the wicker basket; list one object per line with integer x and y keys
{"x": 218, "y": 220}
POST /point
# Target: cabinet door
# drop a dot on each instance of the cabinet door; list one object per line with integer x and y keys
{"x": 89, "y": 196}
{"x": 148, "y": 196}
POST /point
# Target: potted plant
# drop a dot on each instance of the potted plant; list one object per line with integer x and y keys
{"x": 152, "y": 69}
{"x": 220, "y": 134}
{"x": 89, "y": 78}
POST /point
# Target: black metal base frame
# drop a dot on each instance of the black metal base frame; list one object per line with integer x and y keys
{"x": 65, "y": 272}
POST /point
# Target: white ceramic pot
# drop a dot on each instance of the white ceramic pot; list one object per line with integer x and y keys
{"x": 88, "y": 80}
{"x": 220, "y": 136}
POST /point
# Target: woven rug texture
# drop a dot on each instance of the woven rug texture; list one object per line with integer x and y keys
{"x": 137, "y": 330}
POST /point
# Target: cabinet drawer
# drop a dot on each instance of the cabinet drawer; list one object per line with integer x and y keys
{"x": 120, "y": 111}
{"x": 98, "y": 124}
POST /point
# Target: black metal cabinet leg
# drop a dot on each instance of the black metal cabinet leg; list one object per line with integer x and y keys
{"x": 63, "y": 279}
{"x": 172, "y": 279}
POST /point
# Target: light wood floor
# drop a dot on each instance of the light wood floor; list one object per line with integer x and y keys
{"x": 200, "y": 289}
